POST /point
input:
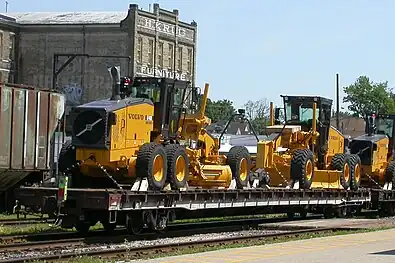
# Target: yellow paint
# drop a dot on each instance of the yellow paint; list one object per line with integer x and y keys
{"x": 131, "y": 130}
{"x": 180, "y": 168}
{"x": 380, "y": 162}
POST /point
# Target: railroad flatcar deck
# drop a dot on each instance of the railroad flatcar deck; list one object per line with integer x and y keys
{"x": 118, "y": 200}
{"x": 120, "y": 207}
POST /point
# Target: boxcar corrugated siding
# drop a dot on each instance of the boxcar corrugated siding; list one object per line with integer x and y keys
{"x": 28, "y": 119}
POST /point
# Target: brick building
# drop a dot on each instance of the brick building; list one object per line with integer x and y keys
{"x": 158, "y": 43}
{"x": 8, "y": 31}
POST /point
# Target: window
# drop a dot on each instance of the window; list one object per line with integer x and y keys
{"x": 160, "y": 54}
{"x": 296, "y": 112}
{"x": 171, "y": 53}
{"x": 179, "y": 60}
{"x": 385, "y": 126}
{"x": 189, "y": 62}
{"x": 151, "y": 52}
{"x": 139, "y": 49}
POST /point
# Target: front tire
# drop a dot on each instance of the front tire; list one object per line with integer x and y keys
{"x": 239, "y": 161}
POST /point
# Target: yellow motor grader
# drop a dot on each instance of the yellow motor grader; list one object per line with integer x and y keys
{"x": 306, "y": 151}
{"x": 143, "y": 132}
{"x": 376, "y": 151}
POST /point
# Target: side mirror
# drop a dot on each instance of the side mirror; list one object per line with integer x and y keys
{"x": 195, "y": 94}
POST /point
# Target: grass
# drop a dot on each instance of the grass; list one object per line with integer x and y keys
{"x": 86, "y": 259}
{"x": 21, "y": 217}
{"x": 46, "y": 227}
{"x": 37, "y": 228}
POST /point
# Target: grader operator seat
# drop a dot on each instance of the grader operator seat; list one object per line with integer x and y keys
{"x": 298, "y": 110}
{"x": 168, "y": 96}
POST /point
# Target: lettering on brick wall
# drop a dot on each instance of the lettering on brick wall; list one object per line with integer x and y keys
{"x": 163, "y": 73}
{"x": 73, "y": 94}
{"x": 165, "y": 28}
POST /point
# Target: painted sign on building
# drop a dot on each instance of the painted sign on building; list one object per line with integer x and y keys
{"x": 73, "y": 94}
{"x": 162, "y": 73}
{"x": 165, "y": 28}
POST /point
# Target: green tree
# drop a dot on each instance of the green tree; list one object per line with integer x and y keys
{"x": 366, "y": 97}
{"x": 258, "y": 113}
{"x": 220, "y": 110}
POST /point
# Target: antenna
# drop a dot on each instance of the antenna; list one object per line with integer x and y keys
{"x": 6, "y": 6}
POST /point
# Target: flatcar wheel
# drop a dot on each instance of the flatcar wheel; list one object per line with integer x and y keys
{"x": 82, "y": 227}
{"x": 109, "y": 227}
{"x": 291, "y": 215}
{"x": 341, "y": 212}
{"x": 134, "y": 225}
{"x": 303, "y": 214}
{"x": 328, "y": 213}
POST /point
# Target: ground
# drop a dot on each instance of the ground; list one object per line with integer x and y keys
{"x": 362, "y": 248}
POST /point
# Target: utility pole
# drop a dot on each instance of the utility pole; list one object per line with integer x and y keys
{"x": 6, "y": 6}
{"x": 337, "y": 103}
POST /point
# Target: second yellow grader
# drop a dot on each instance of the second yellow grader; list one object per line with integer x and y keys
{"x": 306, "y": 151}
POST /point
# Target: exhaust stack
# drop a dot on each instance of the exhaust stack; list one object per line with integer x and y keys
{"x": 116, "y": 83}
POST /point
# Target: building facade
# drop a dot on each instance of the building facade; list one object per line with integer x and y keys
{"x": 161, "y": 45}
{"x": 157, "y": 43}
{"x": 8, "y": 43}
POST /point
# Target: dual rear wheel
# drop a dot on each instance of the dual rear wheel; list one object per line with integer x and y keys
{"x": 302, "y": 168}
{"x": 161, "y": 164}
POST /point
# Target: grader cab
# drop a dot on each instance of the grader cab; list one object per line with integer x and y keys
{"x": 306, "y": 151}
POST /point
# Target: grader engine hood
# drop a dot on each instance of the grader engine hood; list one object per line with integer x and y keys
{"x": 366, "y": 145}
{"x": 92, "y": 121}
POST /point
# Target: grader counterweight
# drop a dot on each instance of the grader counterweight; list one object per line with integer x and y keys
{"x": 306, "y": 151}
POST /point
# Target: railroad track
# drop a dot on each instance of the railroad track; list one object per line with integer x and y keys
{"x": 133, "y": 252}
{"x": 26, "y": 221}
{"x": 9, "y": 240}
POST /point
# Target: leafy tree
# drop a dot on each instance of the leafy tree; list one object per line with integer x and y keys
{"x": 366, "y": 97}
{"x": 220, "y": 110}
{"x": 258, "y": 113}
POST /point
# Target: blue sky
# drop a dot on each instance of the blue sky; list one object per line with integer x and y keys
{"x": 261, "y": 49}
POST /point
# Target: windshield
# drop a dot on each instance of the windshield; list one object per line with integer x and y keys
{"x": 299, "y": 112}
{"x": 385, "y": 126}
{"x": 146, "y": 91}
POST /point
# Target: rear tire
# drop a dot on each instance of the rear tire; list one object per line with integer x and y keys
{"x": 355, "y": 171}
{"x": 239, "y": 161}
{"x": 302, "y": 167}
{"x": 341, "y": 162}
{"x": 151, "y": 163}
{"x": 178, "y": 165}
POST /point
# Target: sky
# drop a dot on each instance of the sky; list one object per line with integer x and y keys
{"x": 259, "y": 49}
